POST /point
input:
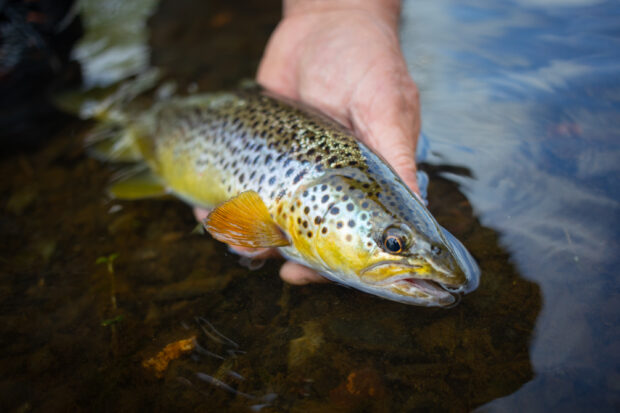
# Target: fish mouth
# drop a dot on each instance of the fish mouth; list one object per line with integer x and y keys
{"x": 411, "y": 287}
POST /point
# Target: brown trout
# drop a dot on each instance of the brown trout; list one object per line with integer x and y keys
{"x": 279, "y": 174}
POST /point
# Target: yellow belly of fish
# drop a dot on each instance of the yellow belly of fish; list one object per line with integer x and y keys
{"x": 200, "y": 188}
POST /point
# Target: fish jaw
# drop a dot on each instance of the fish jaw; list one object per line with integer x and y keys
{"x": 406, "y": 289}
{"x": 416, "y": 283}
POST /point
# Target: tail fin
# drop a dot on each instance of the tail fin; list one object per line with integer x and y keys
{"x": 114, "y": 142}
{"x": 113, "y": 107}
{"x": 113, "y": 139}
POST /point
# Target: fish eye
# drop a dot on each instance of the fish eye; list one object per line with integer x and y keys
{"x": 394, "y": 240}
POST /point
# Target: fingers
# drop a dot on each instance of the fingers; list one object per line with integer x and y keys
{"x": 389, "y": 121}
{"x": 297, "y": 274}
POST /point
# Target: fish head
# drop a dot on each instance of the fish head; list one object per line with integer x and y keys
{"x": 380, "y": 238}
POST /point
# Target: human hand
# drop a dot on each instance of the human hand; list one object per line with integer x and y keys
{"x": 343, "y": 58}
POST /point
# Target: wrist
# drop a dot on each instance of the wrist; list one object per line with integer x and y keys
{"x": 386, "y": 10}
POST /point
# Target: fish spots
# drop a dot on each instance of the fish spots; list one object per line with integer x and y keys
{"x": 334, "y": 211}
{"x": 318, "y": 220}
{"x": 272, "y": 180}
{"x": 351, "y": 223}
{"x": 306, "y": 210}
{"x": 349, "y": 237}
{"x": 324, "y": 230}
{"x": 309, "y": 234}
{"x": 350, "y": 206}
{"x": 324, "y": 198}
{"x": 339, "y": 224}
{"x": 299, "y": 176}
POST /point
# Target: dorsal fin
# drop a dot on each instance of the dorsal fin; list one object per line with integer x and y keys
{"x": 245, "y": 221}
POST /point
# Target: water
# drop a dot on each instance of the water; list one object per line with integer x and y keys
{"x": 520, "y": 108}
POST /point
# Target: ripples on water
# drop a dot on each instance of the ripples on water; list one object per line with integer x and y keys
{"x": 520, "y": 108}
{"x": 525, "y": 95}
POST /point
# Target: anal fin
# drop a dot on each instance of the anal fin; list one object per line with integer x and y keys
{"x": 140, "y": 185}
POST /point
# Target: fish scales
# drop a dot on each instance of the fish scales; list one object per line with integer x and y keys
{"x": 342, "y": 209}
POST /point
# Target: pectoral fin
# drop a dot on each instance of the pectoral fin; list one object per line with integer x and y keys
{"x": 245, "y": 221}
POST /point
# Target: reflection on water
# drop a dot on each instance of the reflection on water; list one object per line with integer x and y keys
{"x": 531, "y": 91}
{"x": 521, "y": 145}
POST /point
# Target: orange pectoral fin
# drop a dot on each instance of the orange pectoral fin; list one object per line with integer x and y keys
{"x": 245, "y": 221}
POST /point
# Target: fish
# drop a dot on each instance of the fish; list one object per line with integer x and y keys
{"x": 276, "y": 173}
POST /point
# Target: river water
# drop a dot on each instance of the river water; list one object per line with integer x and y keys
{"x": 521, "y": 142}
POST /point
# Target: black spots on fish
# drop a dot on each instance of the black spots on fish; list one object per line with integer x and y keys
{"x": 353, "y": 163}
{"x": 306, "y": 210}
{"x": 324, "y": 198}
{"x": 313, "y": 197}
{"x": 364, "y": 217}
{"x": 364, "y": 204}
{"x": 261, "y": 179}
{"x": 299, "y": 176}
{"x": 351, "y": 223}
{"x": 292, "y": 208}
{"x": 298, "y": 220}
{"x": 323, "y": 187}
{"x": 310, "y": 152}
{"x": 241, "y": 178}
{"x": 324, "y": 230}
{"x": 334, "y": 211}
{"x": 273, "y": 195}
{"x": 345, "y": 198}
{"x": 317, "y": 220}
{"x": 280, "y": 130}
{"x": 339, "y": 188}
{"x": 332, "y": 160}
{"x": 318, "y": 158}
{"x": 272, "y": 180}
{"x": 252, "y": 175}
{"x": 349, "y": 237}
{"x": 309, "y": 234}
{"x": 305, "y": 224}
{"x": 289, "y": 172}
{"x": 339, "y": 224}
{"x": 350, "y": 206}
{"x": 319, "y": 168}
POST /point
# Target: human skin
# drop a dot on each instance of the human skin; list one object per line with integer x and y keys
{"x": 343, "y": 57}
